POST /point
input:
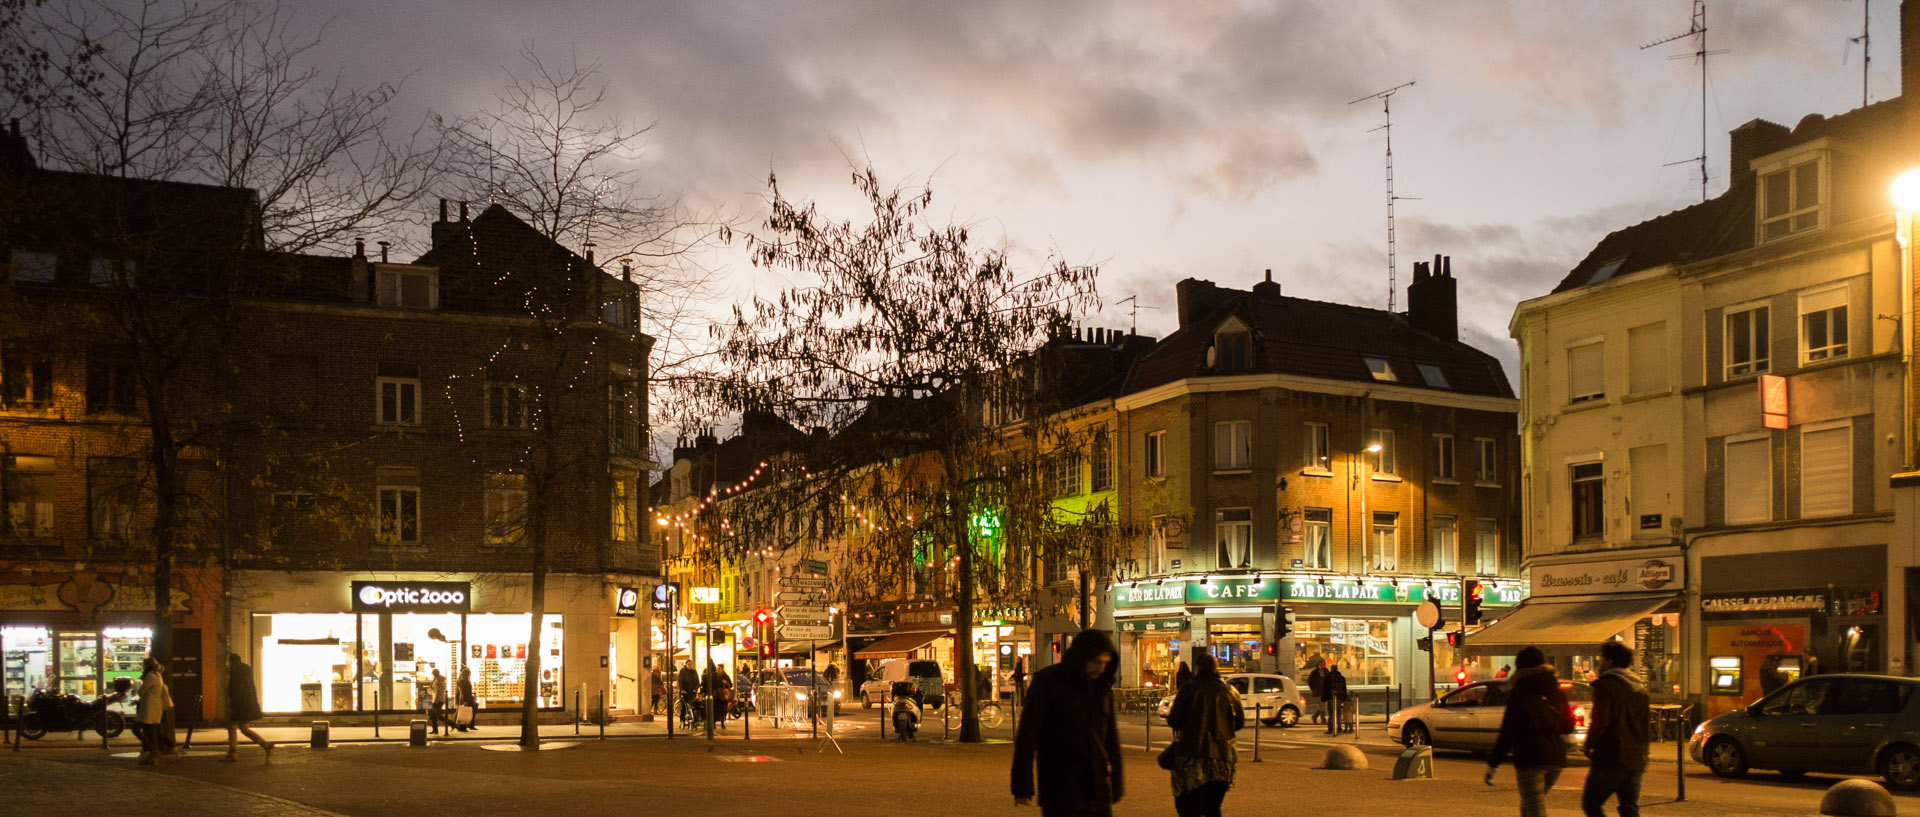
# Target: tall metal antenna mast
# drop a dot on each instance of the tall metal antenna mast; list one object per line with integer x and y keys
{"x": 1866, "y": 46}
{"x": 1386, "y": 108}
{"x": 1700, "y": 54}
{"x": 1133, "y": 314}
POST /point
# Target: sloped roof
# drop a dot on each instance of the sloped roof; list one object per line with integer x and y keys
{"x": 1309, "y": 338}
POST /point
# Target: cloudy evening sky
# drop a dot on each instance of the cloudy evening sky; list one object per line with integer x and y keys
{"x": 1165, "y": 140}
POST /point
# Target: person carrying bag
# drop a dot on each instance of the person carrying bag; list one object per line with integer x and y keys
{"x": 1207, "y": 713}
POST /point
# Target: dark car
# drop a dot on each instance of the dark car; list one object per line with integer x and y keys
{"x": 1840, "y": 724}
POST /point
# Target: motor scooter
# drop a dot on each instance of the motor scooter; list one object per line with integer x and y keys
{"x": 54, "y": 712}
{"x": 906, "y": 711}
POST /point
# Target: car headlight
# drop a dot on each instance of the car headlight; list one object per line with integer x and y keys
{"x": 1699, "y": 730}
{"x": 799, "y": 696}
{"x": 836, "y": 694}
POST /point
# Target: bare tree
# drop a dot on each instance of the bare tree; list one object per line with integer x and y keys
{"x": 124, "y": 96}
{"x": 914, "y": 347}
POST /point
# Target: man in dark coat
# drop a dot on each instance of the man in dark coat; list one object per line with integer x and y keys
{"x": 1333, "y": 692}
{"x": 1070, "y": 726}
{"x": 1533, "y": 730}
{"x": 1616, "y": 734}
{"x": 1315, "y": 682}
{"x": 689, "y": 682}
{"x": 243, "y": 708}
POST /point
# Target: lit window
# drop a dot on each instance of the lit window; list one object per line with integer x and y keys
{"x": 1386, "y": 541}
{"x": 1486, "y": 546}
{"x": 1318, "y": 534}
{"x": 1446, "y": 544}
{"x": 1234, "y": 529}
{"x": 27, "y": 486}
{"x": 1383, "y": 459}
{"x": 1381, "y": 371}
{"x": 26, "y": 377}
{"x": 506, "y": 509}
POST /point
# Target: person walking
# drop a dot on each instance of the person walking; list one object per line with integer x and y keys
{"x": 150, "y": 712}
{"x": 1616, "y": 744}
{"x": 1315, "y": 682}
{"x": 689, "y": 681}
{"x": 468, "y": 704}
{"x": 1020, "y": 680}
{"x": 437, "y": 706}
{"x": 1533, "y": 730}
{"x": 243, "y": 708}
{"x": 1181, "y": 675}
{"x": 1206, "y": 713}
{"x": 1333, "y": 696}
{"x": 1071, "y": 731}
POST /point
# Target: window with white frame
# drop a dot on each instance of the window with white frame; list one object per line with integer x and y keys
{"x": 399, "y": 514}
{"x": 1102, "y": 464}
{"x": 1163, "y": 537}
{"x": 408, "y": 287}
{"x": 1823, "y": 324}
{"x": 113, "y": 491}
{"x": 26, "y": 484}
{"x": 1826, "y": 471}
{"x": 1386, "y": 541}
{"x": 506, "y": 509}
{"x": 397, "y": 387}
{"x": 1155, "y": 454}
{"x": 506, "y": 405}
{"x": 1317, "y": 445}
{"x": 1233, "y": 529}
{"x": 1790, "y": 200}
{"x": 1232, "y": 445}
{"x": 1383, "y": 459}
{"x": 1486, "y": 547}
{"x": 1586, "y": 372}
{"x": 1443, "y": 457}
{"x": 1587, "y": 481}
{"x": 1065, "y": 472}
{"x": 1747, "y": 475}
{"x": 1486, "y": 467}
{"x": 1318, "y": 535}
{"x": 1746, "y": 341}
{"x": 34, "y": 267}
{"x": 1446, "y": 544}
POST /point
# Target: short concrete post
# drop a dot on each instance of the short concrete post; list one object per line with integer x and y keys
{"x": 1414, "y": 763}
{"x": 417, "y": 732}
{"x": 1857, "y": 798}
{"x": 319, "y": 738}
{"x": 1344, "y": 757}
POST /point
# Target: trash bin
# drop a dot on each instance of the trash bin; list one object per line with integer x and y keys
{"x": 310, "y": 697}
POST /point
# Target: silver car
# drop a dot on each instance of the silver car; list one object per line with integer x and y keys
{"x": 1277, "y": 696}
{"x": 1841, "y": 724}
{"x": 1469, "y": 717}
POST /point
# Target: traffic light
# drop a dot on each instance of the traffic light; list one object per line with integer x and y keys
{"x": 1282, "y": 623}
{"x": 1426, "y": 643}
{"x": 1470, "y": 601}
{"x": 766, "y": 650}
{"x": 1460, "y": 676}
{"x": 1453, "y": 639}
{"x": 1273, "y": 648}
{"x": 762, "y": 617}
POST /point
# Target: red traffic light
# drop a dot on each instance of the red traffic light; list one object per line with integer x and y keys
{"x": 762, "y": 616}
{"x": 1272, "y": 648}
{"x": 1460, "y": 676}
{"x": 766, "y": 649}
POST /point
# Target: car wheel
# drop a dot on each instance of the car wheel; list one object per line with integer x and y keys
{"x": 1289, "y": 715}
{"x": 1416, "y": 734}
{"x": 866, "y": 701}
{"x": 1725, "y": 758}
{"x": 1900, "y": 766}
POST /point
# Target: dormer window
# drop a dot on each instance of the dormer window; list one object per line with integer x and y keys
{"x": 1433, "y": 376}
{"x": 1233, "y": 351}
{"x": 1790, "y": 197}
{"x": 408, "y": 287}
{"x": 1381, "y": 371}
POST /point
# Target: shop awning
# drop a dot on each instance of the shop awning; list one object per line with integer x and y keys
{"x": 899, "y": 644}
{"x": 1573, "y": 625}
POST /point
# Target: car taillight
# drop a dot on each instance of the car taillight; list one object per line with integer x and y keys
{"x": 1579, "y": 717}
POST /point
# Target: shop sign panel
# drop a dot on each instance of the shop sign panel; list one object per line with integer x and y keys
{"x": 412, "y": 597}
{"x": 1152, "y": 625}
{"x": 1768, "y": 603}
{"x": 1149, "y": 595}
{"x": 1217, "y": 590}
{"x": 627, "y": 602}
{"x": 1613, "y": 576}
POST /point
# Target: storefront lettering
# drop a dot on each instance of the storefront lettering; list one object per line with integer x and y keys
{"x": 373, "y": 597}
{"x": 1749, "y": 604}
{"x": 1149, "y": 594}
{"x": 1613, "y": 576}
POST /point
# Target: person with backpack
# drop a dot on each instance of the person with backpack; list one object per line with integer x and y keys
{"x": 1616, "y": 742}
{"x": 1533, "y": 731}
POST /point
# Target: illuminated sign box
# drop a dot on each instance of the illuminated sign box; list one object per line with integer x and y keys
{"x": 412, "y": 597}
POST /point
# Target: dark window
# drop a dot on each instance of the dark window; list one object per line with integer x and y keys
{"x": 1233, "y": 352}
{"x": 26, "y": 377}
{"x": 112, "y": 382}
{"x": 1589, "y": 501}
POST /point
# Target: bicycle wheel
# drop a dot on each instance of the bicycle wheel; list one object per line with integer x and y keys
{"x": 990, "y": 715}
{"x": 952, "y": 714}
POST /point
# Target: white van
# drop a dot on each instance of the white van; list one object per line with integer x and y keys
{"x": 923, "y": 674}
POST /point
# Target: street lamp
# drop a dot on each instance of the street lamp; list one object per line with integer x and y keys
{"x": 1905, "y": 193}
{"x": 1365, "y": 526}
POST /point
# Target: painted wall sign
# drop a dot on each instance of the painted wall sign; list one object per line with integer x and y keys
{"x": 412, "y": 597}
{"x": 1614, "y": 576}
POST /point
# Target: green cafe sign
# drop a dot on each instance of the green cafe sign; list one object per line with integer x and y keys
{"x": 1218, "y": 591}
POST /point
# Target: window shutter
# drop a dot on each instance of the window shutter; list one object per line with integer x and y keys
{"x": 1823, "y": 299}
{"x": 1826, "y": 481}
{"x": 387, "y": 294}
{"x": 1748, "y": 473}
{"x": 1222, "y": 445}
{"x": 1585, "y": 376}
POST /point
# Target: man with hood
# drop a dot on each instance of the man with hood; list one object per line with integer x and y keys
{"x": 1533, "y": 729}
{"x": 1616, "y": 734}
{"x": 1070, "y": 724}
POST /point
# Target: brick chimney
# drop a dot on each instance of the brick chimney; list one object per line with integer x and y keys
{"x": 1749, "y": 141}
{"x": 1197, "y": 298}
{"x": 1432, "y": 302}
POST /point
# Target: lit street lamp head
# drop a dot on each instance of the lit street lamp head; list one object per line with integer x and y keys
{"x": 1906, "y": 191}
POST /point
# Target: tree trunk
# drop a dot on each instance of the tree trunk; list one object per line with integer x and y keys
{"x": 530, "y": 692}
{"x": 963, "y": 668}
{"x": 166, "y": 515}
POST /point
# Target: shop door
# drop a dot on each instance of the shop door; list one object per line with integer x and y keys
{"x": 184, "y": 679}
{"x": 79, "y": 664}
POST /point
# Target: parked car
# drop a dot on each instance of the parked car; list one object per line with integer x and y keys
{"x": 1469, "y": 717}
{"x": 1277, "y": 695}
{"x": 1839, "y": 724}
{"x": 795, "y": 684}
{"x": 924, "y": 675}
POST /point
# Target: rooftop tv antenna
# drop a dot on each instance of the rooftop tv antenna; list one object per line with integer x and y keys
{"x": 1133, "y": 312}
{"x": 1700, "y": 55}
{"x": 1386, "y": 107}
{"x": 1866, "y": 46}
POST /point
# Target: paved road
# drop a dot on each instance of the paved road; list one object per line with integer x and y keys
{"x": 776, "y": 775}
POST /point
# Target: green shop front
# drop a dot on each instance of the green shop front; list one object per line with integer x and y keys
{"x": 1366, "y": 626}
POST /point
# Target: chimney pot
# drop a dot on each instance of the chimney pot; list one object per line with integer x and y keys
{"x": 443, "y": 209}
{"x": 463, "y": 212}
{"x": 360, "y": 248}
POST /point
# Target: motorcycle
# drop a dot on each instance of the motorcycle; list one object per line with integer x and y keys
{"x": 906, "y": 711}
{"x": 54, "y": 712}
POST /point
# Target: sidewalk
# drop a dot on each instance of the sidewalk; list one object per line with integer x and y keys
{"x": 396, "y": 730}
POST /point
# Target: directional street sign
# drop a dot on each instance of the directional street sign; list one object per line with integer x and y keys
{"x": 805, "y": 632}
{"x": 813, "y": 565}
{"x": 796, "y": 614}
{"x": 803, "y": 581}
{"x": 800, "y": 596}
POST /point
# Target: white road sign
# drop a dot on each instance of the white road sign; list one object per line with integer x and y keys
{"x": 802, "y": 596}
{"x": 803, "y": 612}
{"x": 805, "y": 632}
{"x": 804, "y": 581}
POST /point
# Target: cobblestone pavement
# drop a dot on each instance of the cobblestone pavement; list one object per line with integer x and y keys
{"x": 35, "y": 785}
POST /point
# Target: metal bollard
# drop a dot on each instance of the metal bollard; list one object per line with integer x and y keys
{"x": 319, "y": 738}
{"x": 1257, "y": 708}
{"x": 376, "y": 714}
{"x": 603, "y": 714}
{"x": 417, "y": 733}
{"x": 576, "y": 710}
